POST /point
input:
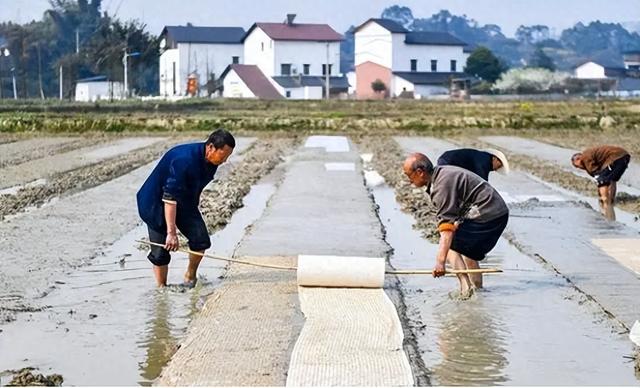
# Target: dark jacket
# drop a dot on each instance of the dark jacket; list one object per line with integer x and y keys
{"x": 180, "y": 176}
{"x": 478, "y": 162}
{"x": 459, "y": 195}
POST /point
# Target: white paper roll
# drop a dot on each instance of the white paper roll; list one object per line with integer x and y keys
{"x": 341, "y": 271}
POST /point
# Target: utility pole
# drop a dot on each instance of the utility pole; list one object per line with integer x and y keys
{"x": 13, "y": 77}
{"x": 77, "y": 40}
{"x": 125, "y": 63}
{"x": 326, "y": 71}
{"x": 61, "y": 85}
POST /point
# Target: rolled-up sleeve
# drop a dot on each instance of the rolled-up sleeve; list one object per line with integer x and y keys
{"x": 174, "y": 188}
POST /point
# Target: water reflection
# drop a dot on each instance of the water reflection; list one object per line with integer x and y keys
{"x": 161, "y": 343}
{"x": 471, "y": 342}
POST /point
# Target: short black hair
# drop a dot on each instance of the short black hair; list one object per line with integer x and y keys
{"x": 221, "y": 137}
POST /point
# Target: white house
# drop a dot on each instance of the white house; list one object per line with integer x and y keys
{"x": 417, "y": 63}
{"x": 627, "y": 78}
{"x": 295, "y": 57}
{"x": 98, "y": 88}
{"x": 200, "y": 52}
{"x": 247, "y": 81}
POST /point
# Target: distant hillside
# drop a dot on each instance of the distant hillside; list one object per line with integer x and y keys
{"x": 600, "y": 41}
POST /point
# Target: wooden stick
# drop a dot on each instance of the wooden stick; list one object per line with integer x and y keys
{"x": 274, "y": 266}
{"x": 289, "y": 268}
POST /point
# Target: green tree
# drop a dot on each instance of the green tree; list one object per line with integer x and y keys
{"x": 483, "y": 64}
{"x": 541, "y": 60}
{"x": 378, "y": 86}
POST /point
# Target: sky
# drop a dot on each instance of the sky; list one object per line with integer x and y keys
{"x": 340, "y": 14}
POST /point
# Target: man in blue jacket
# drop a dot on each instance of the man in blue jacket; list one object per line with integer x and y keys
{"x": 169, "y": 198}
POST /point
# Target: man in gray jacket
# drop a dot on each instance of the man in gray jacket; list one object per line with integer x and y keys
{"x": 471, "y": 215}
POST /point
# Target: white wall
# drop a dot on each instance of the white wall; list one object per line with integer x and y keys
{"x": 254, "y": 54}
{"x": 234, "y": 87}
{"x": 590, "y": 70}
{"x": 397, "y": 85}
{"x": 373, "y": 44}
{"x": 167, "y": 59}
{"x": 423, "y": 91}
{"x": 196, "y": 57}
{"x": 403, "y": 54}
{"x": 94, "y": 91}
{"x": 298, "y": 53}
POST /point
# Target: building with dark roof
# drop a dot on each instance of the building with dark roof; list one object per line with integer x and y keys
{"x": 247, "y": 81}
{"x": 197, "y": 53}
{"x": 421, "y": 64}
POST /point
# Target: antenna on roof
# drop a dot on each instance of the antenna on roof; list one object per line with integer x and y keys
{"x": 290, "y": 17}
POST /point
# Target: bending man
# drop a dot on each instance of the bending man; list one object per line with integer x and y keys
{"x": 471, "y": 215}
{"x": 478, "y": 162}
{"x": 168, "y": 201}
{"x": 606, "y": 164}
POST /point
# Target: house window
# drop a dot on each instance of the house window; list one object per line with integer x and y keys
{"x": 235, "y": 60}
{"x": 288, "y": 93}
{"x": 434, "y": 65}
{"x": 454, "y": 64}
{"x": 414, "y": 65}
{"x": 262, "y": 46}
{"x": 324, "y": 69}
{"x": 306, "y": 68}
{"x": 285, "y": 69}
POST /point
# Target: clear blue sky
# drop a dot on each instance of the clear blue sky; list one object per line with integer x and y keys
{"x": 340, "y": 14}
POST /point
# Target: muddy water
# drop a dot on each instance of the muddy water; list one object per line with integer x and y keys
{"x": 107, "y": 323}
{"x": 528, "y": 327}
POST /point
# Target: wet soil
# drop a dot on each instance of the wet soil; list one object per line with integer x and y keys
{"x": 80, "y": 179}
{"x": 489, "y": 339}
{"x": 629, "y": 139}
{"x": 22, "y": 151}
{"x": 550, "y": 172}
{"x": 28, "y": 377}
{"x": 225, "y": 196}
{"x": 387, "y": 160}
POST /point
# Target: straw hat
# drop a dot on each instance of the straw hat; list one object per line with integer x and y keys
{"x": 504, "y": 170}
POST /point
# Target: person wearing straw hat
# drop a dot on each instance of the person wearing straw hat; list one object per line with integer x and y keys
{"x": 480, "y": 162}
{"x": 471, "y": 216}
{"x": 168, "y": 201}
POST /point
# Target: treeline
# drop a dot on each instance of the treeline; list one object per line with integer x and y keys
{"x": 78, "y": 37}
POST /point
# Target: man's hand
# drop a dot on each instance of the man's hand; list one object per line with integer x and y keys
{"x": 172, "y": 242}
{"x": 439, "y": 270}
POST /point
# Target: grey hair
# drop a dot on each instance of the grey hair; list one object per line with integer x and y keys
{"x": 423, "y": 163}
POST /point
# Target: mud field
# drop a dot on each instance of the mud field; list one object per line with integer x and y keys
{"x": 78, "y": 304}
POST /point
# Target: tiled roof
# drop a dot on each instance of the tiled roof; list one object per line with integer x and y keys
{"x": 429, "y": 78}
{"x": 255, "y": 80}
{"x": 388, "y": 24}
{"x": 192, "y": 34}
{"x": 298, "y": 32}
{"x": 309, "y": 80}
{"x": 432, "y": 38}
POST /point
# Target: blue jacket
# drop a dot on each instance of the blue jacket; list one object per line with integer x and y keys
{"x": 478, "y": 162}
{"x": 181, "y": 175}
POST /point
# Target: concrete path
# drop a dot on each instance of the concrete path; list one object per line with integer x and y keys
{"x": 561, "y": 157}
{"x": 247, "y": 329}
{"x": 563, "y": 233}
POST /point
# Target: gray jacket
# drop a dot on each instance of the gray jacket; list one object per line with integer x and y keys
{"x": 460, "y": 195}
